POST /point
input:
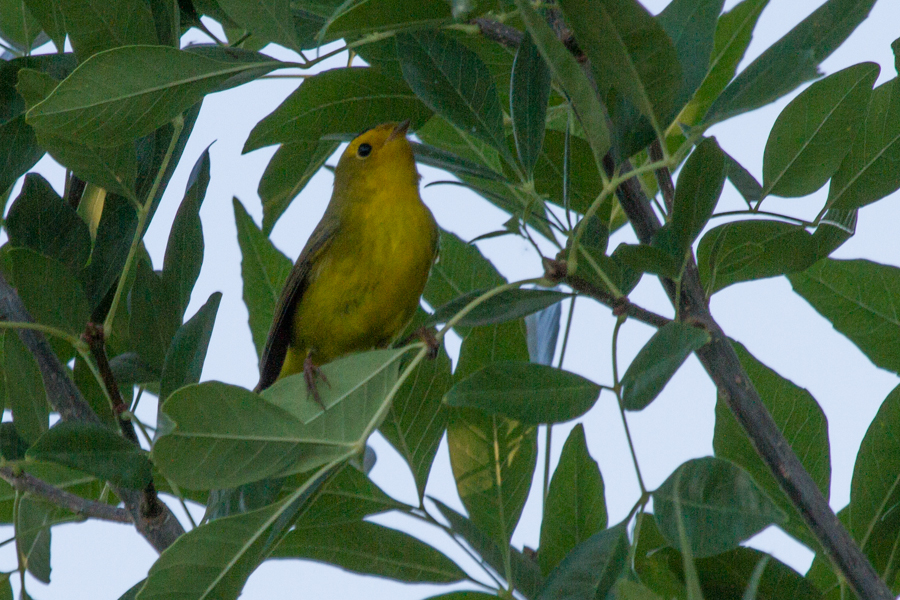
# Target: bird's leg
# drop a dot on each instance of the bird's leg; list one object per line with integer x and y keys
{"x": 311, "y": 373}
{"x": 426, "y": 335}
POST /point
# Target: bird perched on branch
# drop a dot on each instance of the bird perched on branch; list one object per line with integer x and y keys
{"x": 357, "y": 283}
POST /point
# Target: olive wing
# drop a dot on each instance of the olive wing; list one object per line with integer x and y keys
{"x": 280, "y": 332}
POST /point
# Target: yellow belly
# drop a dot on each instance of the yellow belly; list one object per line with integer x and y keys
{"x": 365, "y": 287}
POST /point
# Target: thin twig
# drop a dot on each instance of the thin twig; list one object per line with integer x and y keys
{"x": 556, "y": 270}
{"x": 151, "y": 506}
{"x": 498, "y": 32}
{"x": 663, "y": 176}
{"x": 90, "y": 509}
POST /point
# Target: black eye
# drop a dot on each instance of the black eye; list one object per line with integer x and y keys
{"x": 364, "y": 150}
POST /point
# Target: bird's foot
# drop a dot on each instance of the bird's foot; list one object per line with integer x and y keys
{"x": 311, "y": 374}
{"x": 426, "y": 334}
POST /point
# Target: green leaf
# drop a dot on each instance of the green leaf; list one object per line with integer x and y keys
{"x": 155, "y": 315}
{"x": 338, "y": 101}
{"x": 748, "y": 250}
{"x": 647, "y": 259}
{"x": 574, "y": 509}
{"x": 112, "y": 168}
{"x": 95, "y": 25}
{"x": 17, "y": 25}
{"x": 94, "y": 449}
{"x": 505, "y": 306}
{"x": 184, "y": 249}
{"x": 263, "y": 270}
{"x": 631, "y": 590}
{"x": 815, "y": 131}
{"x": 874, "y": 490}
{"x": 155, "y": 147}
{"x": 528, "y": 96}
{"x": 730, "y": 574}
{"x": 792, "y": 60}
{"x": 215, "y": 559}
{"x": 24, "y": 388}
{"x": 243, "y": 437}
{"x": 569, "y": 74}
{"x": 114, "y": 236}
{"x": 742, "y": 180}
{"x": 49, "y": 290}
{"x": 493, "y": 460}
{"x": 801, "y": 420}
{"x": 185, "y": 357}
{"x": 453, "y": 82}
{"x": 447, "y": 161}
{"x": 370, "y": 549}
{"x": 658, "y": 361}
{"x": 718, "y": 503}
{"x": 583, "y": 180}
{"x": 692, "y": 26}
{"x": 699, "y": 187}
{"x": 417, "y": 419}
{"x": 525, "y": 573}
{"x": 33, "y": 521}
{"x": 733, "y": 32}
{"x": 629, "y": 51}
{"x": 369, "y": 16}
{"x": 591, "y": 569}
{"x": 857, "y": 296}
{"x": 288, "y": 172}
{"x": 460, "y": 268}
{"x": 868, "y": 172}
{"x": 348, "y": 497}
{"x": 525, "y": 391}
{"x": 270, "y": 20}
{"x": 42, "y": 221}
{"x": 125, "y": 93}
{"x": 19, "y": 151}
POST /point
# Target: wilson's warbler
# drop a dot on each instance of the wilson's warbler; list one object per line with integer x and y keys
{"x": 358, "y": 281}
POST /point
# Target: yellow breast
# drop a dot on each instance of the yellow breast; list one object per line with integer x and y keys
{"x": 365, "y": 285}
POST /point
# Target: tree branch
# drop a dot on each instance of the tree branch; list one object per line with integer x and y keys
{"x": 557, "y": 270}
{"x": 72, "y": 502}
{"x": 162, "y": 529}
{"x": 734, "y": 387}
{"x": 93, "y": 334}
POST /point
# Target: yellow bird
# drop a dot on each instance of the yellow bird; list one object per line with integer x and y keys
{"x": 357, "y": 283}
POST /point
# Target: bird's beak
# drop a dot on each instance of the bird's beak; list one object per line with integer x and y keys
{"x": 399, "y": 131}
